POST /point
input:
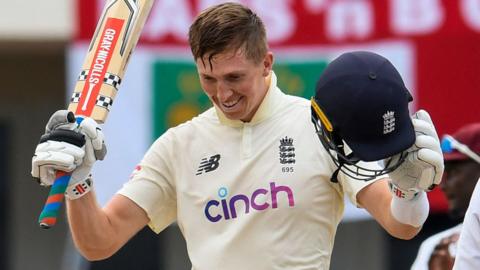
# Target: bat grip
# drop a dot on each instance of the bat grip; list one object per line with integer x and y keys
{"x": 48, "y": 216}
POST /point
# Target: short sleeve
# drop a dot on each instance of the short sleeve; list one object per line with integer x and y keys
{"x": 352, "y": 186}
{"x": 151, "y": 185}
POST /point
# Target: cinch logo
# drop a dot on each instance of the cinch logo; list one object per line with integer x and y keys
{"x": 226, "y": 208}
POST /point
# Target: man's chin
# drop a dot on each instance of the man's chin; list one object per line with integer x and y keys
{"x": 239, "y": 116}
{"x": 232, "y": 116}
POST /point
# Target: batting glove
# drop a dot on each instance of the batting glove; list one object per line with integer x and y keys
{"x": 423, "y": 167}
{"x": 70, "y": 147}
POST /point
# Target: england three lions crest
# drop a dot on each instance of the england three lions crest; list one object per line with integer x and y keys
{"x": 388, "y": 122}
{"x": 287, "y": 151}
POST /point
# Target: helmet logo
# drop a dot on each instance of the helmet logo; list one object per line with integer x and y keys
{"x": 388, "y": 122}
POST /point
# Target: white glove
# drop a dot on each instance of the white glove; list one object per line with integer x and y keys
{"x": 423, "y": 167}
{"x": 59, "y": 152}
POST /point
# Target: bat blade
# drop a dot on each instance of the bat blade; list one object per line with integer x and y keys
{"x": 116, "y": 35}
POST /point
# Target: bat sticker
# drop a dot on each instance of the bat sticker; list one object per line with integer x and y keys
{"x": 99, "y": 65}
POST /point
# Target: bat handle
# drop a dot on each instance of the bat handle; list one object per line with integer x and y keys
{"x": 49, "y": 214}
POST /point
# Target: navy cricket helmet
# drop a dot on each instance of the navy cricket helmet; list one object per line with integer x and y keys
{"x": 361, "y": 101}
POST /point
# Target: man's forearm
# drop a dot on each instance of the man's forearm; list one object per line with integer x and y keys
{"x": 92, "y": 231}
{"x": 376, "y": 198}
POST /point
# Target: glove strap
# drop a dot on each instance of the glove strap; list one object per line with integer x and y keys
{"x": 81, "y": 188}
{"x": 402, "y": 194}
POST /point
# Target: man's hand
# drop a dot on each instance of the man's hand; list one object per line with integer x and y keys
{"x": 442, "y": 257}
{"x": 423, "y": 167}
{"x": 59, "y": 149}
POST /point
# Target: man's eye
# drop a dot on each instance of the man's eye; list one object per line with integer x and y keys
{"x": 233, "y": 78}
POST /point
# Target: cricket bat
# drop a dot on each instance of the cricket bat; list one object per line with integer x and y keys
{"x": 115, "y": 37}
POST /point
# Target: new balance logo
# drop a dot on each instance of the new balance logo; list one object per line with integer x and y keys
{"x": 388, "y": 122}
{"x": 208, "y": 164}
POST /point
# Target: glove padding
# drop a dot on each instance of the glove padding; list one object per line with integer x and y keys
{"x": 56, "y": 155}
{"x": 423, "y": 167}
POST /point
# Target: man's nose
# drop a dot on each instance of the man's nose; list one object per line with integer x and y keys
{"x": 223, "y": 91}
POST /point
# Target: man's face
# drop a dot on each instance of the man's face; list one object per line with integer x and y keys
{"x": 458, "y": 184}
{"x": 235, "y": 84}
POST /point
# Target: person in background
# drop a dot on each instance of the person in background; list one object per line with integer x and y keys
{"x": 468, "y": 246}
{"x": 462, "y": 169}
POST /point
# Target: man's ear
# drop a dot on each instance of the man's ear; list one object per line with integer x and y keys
{"x": 267, "y": 64}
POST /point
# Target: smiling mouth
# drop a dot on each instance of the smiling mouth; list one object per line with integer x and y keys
{"x": 231, "y": 104}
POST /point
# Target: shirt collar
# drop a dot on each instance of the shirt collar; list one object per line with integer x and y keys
{"x": 264, "y": 111}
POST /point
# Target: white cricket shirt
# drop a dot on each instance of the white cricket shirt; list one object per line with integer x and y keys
{"x": 427, "y": 247}
{"x": 251, "y": 195}
{"x": 468, "y": 247}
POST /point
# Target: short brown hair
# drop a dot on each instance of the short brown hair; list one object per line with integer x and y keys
{"x": 228, "y": 26}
